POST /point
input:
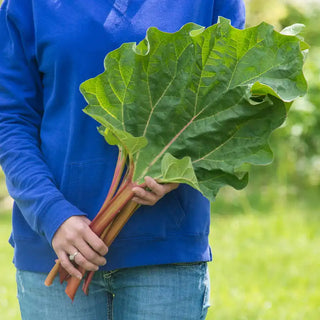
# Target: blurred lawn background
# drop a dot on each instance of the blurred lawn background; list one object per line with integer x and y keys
{"x": 266, "y": 238}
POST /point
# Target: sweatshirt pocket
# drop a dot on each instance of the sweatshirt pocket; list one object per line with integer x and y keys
{"x": 86, "y": 184}
{"x": 155, "y": 222}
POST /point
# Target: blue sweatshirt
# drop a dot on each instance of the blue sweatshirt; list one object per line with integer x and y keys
{"x": 56, "y": 164}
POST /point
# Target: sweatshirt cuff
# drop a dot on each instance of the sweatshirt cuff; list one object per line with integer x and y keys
{"x": 54, "y": 215}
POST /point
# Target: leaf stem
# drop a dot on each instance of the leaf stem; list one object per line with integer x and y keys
{"x": 52, "y": 274}
{"x": 111, "y": 232}
{"x": 99, "y": 223}
{"x": 118, "y": 171}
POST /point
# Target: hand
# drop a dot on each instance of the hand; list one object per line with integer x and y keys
{"x": 154, "y": 194}
{"x": 75, "y": 235}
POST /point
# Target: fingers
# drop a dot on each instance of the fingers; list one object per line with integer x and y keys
{"x": 88, "y": 258}
{"x": 75, "y": 235}
{"x": 155, "y": 193}
{"x": 85, "y": 258}
{"x": 144, "y": 197}
{"x": 68, "y": 266}
{"x": 95, "y": 242}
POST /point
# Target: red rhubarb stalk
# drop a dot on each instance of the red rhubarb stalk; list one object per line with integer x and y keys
{"x": 124, "y": 214}
{"x": 100, "y": 222}
{"x": 52, "y": 274}
{"x": 122, "y": 157}
{"x": 111, "y": 233}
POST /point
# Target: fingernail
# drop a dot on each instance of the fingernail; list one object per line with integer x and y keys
{"x": 79, "y": 277}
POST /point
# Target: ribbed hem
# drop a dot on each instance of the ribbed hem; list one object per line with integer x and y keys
{"x": 172, "y": 249}
{"x": 33, "y": 256}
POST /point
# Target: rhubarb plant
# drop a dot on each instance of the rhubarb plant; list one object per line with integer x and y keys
{"x": 196, "y": 106}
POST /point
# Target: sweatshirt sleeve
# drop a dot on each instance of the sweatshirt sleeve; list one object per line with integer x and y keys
{"x": 232, "y": 9}
{"x": 29, "y": 180}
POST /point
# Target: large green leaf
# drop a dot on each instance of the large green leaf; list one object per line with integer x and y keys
{"x": 198, "y": 105}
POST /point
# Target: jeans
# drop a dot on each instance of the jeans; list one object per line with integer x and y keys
{"x": 166, "y": 292}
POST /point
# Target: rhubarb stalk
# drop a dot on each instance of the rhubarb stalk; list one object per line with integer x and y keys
{"x": 111, "y": 233}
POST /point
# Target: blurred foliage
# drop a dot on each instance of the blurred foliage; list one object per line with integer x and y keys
{"x": 295, "y": 171}
{"x": 304, "y": 121}
{"x": 270, "y": 11}
{"x": 303, "y": 126}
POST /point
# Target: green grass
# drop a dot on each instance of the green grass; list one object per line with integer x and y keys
{"x": 266, "y": 266}
{"x": 8, "y": 301}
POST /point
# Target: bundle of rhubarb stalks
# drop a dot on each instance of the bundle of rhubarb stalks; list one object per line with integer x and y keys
{"x": 113, "y": 215}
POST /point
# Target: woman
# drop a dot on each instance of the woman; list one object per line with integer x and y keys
{"x": 58, "y": 168}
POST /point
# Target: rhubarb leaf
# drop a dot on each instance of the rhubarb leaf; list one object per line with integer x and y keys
{"x": 178, "y": 170}
{"x": 123, "y": 138}
{"x": 198, "y": 105}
